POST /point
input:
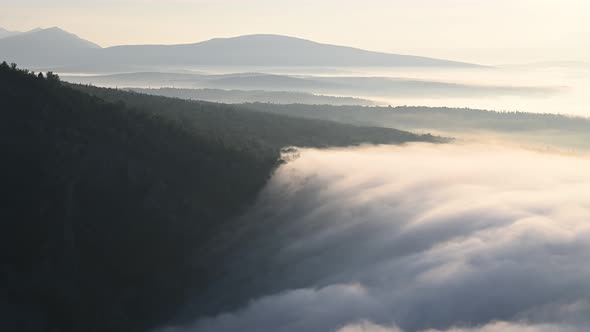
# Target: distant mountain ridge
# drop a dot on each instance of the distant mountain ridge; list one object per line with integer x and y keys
{"x": 7, "y": 33}
{"x": 268, "y": 50}
{"x": 4, "y": 33}
{"x": 245, "y": 96}
{"x": 46, "y": 47}
{"x": 374, "y": 87}
{"x": 56, "y": 48}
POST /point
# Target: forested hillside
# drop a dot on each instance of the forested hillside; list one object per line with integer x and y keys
{"x": 112, "y": 212}
{"x": 546, "y": 130}
{"x": 245, "y": 96}
{"x": 103, "y": 207}
{"x": 427, "y": 117}
{"x": 238, "y": 125}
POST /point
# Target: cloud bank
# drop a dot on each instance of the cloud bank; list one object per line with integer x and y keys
{"x": 437, "y": 238}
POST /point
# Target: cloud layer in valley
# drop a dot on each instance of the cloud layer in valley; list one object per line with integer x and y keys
{"x": 437, "y": 238}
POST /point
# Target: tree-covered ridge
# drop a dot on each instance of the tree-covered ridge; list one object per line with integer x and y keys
{"x": 428, "y": 117}
{"x": 537, "y": 130}
{"x": 238, "y": 125}
{"x": 247, "y": 96}
{"x": 108, "y": 212}
{"x": 113, "y": 215}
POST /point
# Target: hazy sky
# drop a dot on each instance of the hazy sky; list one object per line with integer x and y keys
{"x": 484, "y": 31}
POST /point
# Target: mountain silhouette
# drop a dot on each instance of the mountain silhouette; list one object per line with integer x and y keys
{"x": 46, "y": 47}
{"x": 266, "y": 50}
{"x": 7, "y": 33}
{"x": 56, "y": 48}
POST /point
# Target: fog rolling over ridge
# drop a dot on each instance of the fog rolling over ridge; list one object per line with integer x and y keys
{"x": 294, "y": 166}
{"x": 564, "y": 133}
{"x": 454, "y": 238}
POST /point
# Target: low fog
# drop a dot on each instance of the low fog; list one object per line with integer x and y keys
{"x": 541, "y": 88}
{"x": 453, "y": 238}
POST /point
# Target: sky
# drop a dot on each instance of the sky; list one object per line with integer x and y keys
{"x": 481, "y": 31}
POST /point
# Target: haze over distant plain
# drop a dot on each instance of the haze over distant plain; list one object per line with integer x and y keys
{"x": 480, "y": 32}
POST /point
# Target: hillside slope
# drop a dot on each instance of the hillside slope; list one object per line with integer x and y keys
{"x": 238, "y": 125}
{"x": 108, "y": 212}
{"x": 245, "y": 96}
{"x": 562, "y": 132}
{"x": 114, "y": 216}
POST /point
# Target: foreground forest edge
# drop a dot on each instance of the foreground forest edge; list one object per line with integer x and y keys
{"x": 83, "y": 167}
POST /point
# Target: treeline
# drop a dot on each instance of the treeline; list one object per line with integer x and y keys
{"x": 247, "y": 96}
{"x": 114, "y": 203}
{"x": 236, "y": 125}
{"x": 109, "y": 212}
{"x": 413, "y": 117}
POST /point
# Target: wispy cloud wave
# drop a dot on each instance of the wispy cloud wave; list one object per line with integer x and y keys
{"x": 424, "y": 238}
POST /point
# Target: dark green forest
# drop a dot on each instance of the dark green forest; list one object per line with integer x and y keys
{"x": 116, "y": 206}
{"x": 236, "y": 125}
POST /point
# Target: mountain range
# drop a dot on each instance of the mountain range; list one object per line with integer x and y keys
{"x": 46, "y": 48}
{"x": 55, "y": 48}
{"x": 6, "y": 33}
{"x": 341, "y": 85}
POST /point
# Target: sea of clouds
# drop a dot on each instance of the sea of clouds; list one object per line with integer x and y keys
{"x": 421, "y": 237}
